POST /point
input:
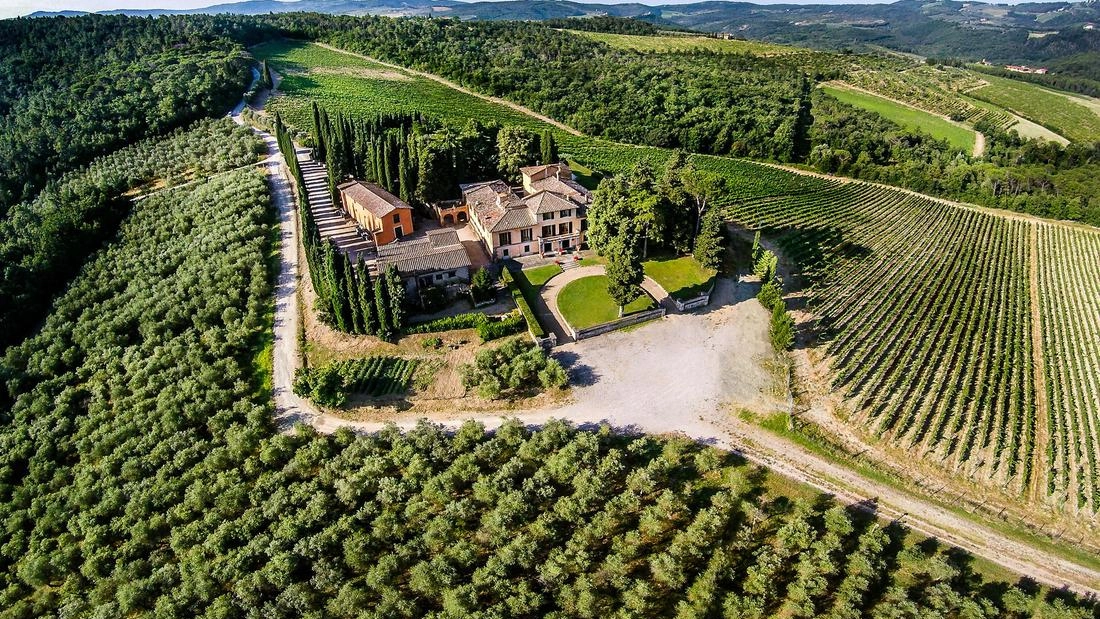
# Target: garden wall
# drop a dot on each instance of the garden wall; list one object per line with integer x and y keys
{"x": 633, "y": 319}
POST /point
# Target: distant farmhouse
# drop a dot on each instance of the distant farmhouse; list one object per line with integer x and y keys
{"x": 378, "y": 212}
{"x": 545, "y": 217}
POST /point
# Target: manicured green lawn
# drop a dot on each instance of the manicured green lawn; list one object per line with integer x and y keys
{"x": 538, "y": 276}
{"x": 908, "y": 117}
{"x": 588, "y": 178}
{"x": 585, "y": 303}
{"x": 682, "y": 278}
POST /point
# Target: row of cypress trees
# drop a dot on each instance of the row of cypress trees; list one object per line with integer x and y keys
{"x": 382, "y": 149}
{"x": 349, "y": 299}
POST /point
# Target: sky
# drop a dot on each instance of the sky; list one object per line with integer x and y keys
{"x": 13, "y": 8}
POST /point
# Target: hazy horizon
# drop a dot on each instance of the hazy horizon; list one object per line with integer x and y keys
{"x": 16, "y": 8}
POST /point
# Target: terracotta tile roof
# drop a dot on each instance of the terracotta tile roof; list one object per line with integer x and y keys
{"x": 372, "y": 197}
{"x": 564, "y": 187}
{"x": 490, "y": 201}
{"x": 546, "y": 202}
{"x": 515, "y": 217}
{"x": 438, "y": 250}
{"x": 532, "y": 170}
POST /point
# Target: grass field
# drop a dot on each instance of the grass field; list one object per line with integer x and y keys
{"x": 1023, "y": 127}
{"x": 958, "y": 136}
{"x": 684, "y": 43}
{"x": 682, "y": 278}
{"x": 585, "y": 303}
{"x": 1059, "y": 112}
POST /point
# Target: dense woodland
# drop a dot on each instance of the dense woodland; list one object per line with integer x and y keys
{"x": 74, "y": 89}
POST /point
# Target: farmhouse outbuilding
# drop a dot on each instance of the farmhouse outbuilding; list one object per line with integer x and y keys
{"x": 437, "y": 258}
{"x": 378, "y": 212}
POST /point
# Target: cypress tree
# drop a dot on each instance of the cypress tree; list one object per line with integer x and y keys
{"x": 351, "y": 292}
{"x": 396, "y": 289}
{"x": 366, "y": 299}
{"x": 387, "y": 171}
{"x": 265, "y": 76}
{"x": 319, "y": 133}
{"x": 548, "y": 147}
{"x": 382, "y": 307}
{"x": 403, "y": 175}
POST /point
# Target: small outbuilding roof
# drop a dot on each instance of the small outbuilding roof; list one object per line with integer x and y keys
{"x": 438, "y": 250}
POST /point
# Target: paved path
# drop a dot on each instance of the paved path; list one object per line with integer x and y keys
{"x": 331, "y": 221}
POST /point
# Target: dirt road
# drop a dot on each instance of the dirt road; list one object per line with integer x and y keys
{"x": 684, "y": 374}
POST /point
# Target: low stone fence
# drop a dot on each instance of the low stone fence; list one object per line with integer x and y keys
{"x": 607, "y": 327}
{"x": 695, "y": 302}
{"x": 547, "y": 342}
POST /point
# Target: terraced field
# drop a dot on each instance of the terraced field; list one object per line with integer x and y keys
{"x": 1058, "y": 112}
{"x": 925, "y": 309}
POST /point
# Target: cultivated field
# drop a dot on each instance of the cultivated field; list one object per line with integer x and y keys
{"x": 925, "y": 308}
{"x": 1058, "y": 112}
{"x": 909, "y": 117}
{"x": 687, "y": 43}
{"x": 926, "y": 311}
{"x": 934, "y": 90}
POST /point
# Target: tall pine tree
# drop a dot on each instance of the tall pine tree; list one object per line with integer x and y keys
{"x": 366, "y": 298}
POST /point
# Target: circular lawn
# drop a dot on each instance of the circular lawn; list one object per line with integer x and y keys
{"x": 585, "y": 303}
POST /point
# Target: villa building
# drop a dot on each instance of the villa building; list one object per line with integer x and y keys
{"x": 546, "y": 216}
{"x": 378, "y": 212}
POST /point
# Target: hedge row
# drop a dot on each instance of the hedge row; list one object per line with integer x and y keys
{"x": 470, "y": 320}
{"x": 523, "y": 304}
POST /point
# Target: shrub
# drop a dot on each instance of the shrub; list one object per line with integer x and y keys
{"x": 770, "y": 295}
{"x": 513, "y": 367}
{"x": 432, "y": 343}
{"x": 481, "y": 286}
{"x": 433, "y": 298}
{"x": 469, "y": 320}
{"x": 495, "y": 329}
{"x": 523, "y": 304}
{"x": 781, "y": 329}
{"x": 323, "y": 385}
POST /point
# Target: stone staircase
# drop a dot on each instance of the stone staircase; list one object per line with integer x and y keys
{"x": 331, "y": 221}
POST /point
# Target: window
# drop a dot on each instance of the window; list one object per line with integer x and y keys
{"x": 566, "y": 213}
{"x": 397, "y": 218}
{"x": 451, "y": 274}
{"x": 504, "y": 253}
{"x": 565, "y": 228}
{"x": 547, "y": 216}
{"x": 526, "y": 249}
{"x": 505, "y": 238}
{"x": 438, "y": 276}
{"x": 525, "y": 236}
{"x": 548, "y": 230}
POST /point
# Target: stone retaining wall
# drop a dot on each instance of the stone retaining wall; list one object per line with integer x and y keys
{"x": 633, "y": 319}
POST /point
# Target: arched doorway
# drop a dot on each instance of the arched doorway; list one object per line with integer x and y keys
{"x": 448, "y": 219}
{"x": 462, "y": 218}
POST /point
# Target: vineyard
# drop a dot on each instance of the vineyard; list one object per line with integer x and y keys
{"x": 934, "y": 90}
{"x": 1058, "y": 112}
{"x": 925, "y": 311}
{"x": 377, "y": 376}
{"x": 1069, "y": 295}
